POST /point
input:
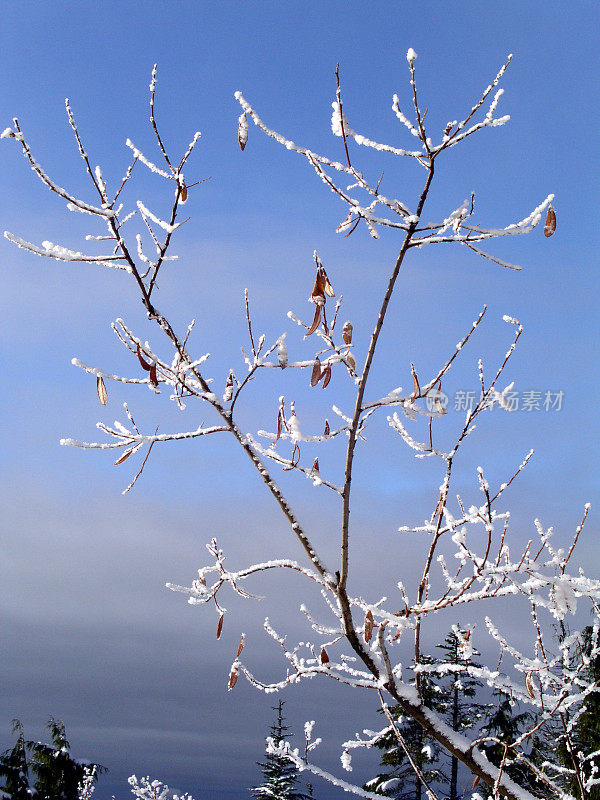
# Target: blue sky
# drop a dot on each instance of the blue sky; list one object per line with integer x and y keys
{"x": 92, "y": 635}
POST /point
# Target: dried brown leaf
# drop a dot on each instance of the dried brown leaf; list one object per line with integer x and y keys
{"x": 327, "y": 287}
{"x": 324, "y": 658}
{"x": 529, "y": 685}
{"x": 316, "y": 320}
{"x": 228, "y": 393}
{"x": 316, "y": 372}
{"x": 326, "y": 376}
{"x": 242, "y": 132}
{"x": 101, "y": 389}
{"x": 368, "y": 632}
{"x": 476, "y": 781}
{"x": 347, "y": 332}
{"x": 327, "y": 430}
{"x": 153, "y": 376}
{"x": 351, "y": 361}
{"x": 125, "y": 455}
{"x": 220, "y": 626}
{"x": 145, "y": 365}
{"x": 550, "y": 225}
{"x": 183, "y": 193}
{"x": 233, "y": 676}
{"x": 315, "y": 466}
{"x": 240, "y": 646}
{"x": 416, "y": 387}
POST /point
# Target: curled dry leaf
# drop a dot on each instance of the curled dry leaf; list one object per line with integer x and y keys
{"x": 240, "y": 646}
{"x": 326, "y": 376}
{"x": 324, "y": 658}
{"x": 153, "y": 376}
{"x": 316, "y": 372}
{"x": 347, "y": 332}
{"x": 351, "y": 362}
{"x": 476, "y": 781}
{"x": 183, "y": 193}
{"x": 316, "y": 320}
{"x": 125, "y": 455}
{"x": 315, "y": 466}
{"x": 416, "y": 387}
{"x": 220, "y": 626}
{"x": 327, "y": 430}
{"x": 144, "y": 364}
{"x": 101, "y": 389}
{"x": 368, "y": 632}
{"x": 529, "y": 686}
{"x": 233, "y": 676}
{"x": 550, "y": 225}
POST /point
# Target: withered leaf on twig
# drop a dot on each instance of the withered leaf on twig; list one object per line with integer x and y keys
{"x": 144, "y": 364}
{"x": 351, "y": 362}
{"x": 347, "y": 332}
{"x": 101, "y": 389}
{"x": 242, "y": 131}
{"x": 368, "y": 632}
{"x": 315, "y": 466}
{"x": 153, "y": 376}
{"x": 416, "y": 387}
{"x": 327, "y": 430}
{"x": 326, "y": 376}
{"x": 220, "y": 626}
{"x": 233, "y": 676}
{"x": 228, "y": 393}
{"x": 183, "y": 193}
{"x": 240, "y": 646}
{"x": 316, "y": 372}
{"x": 125, "y": 455}
{"x": 324, "y": 658}
{"x": 316, "y": 320}
{"x": 550, "y": 225}
{"x": 529, "y": 686}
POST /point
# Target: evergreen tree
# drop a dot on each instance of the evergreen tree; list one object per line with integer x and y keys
{"x": 506, "y": 725}
{"x": 584, "y": 733}
{"x": 280, "y": 776}
{"x": 57, "y": 775}
{"x": 458, "y": 692}
{"x": 400, "y": 780}
{"x": 14, "y": 770}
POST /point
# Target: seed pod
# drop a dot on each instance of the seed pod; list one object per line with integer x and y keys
{"x": 368, "y": 632}
{"x": 347, "y": 332}
{"x": 316, "y": 372}
{"x": 351, "y": 361}
{"x": 550, "y": 225}
{"x": 328, "y": 288}
{"x": 324, "y": 658}
{"x": 242, "y": 131}
{"x": 220, "y": 626}
{"x": 326, "y": 376}
{"x": 101, "y": 389}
